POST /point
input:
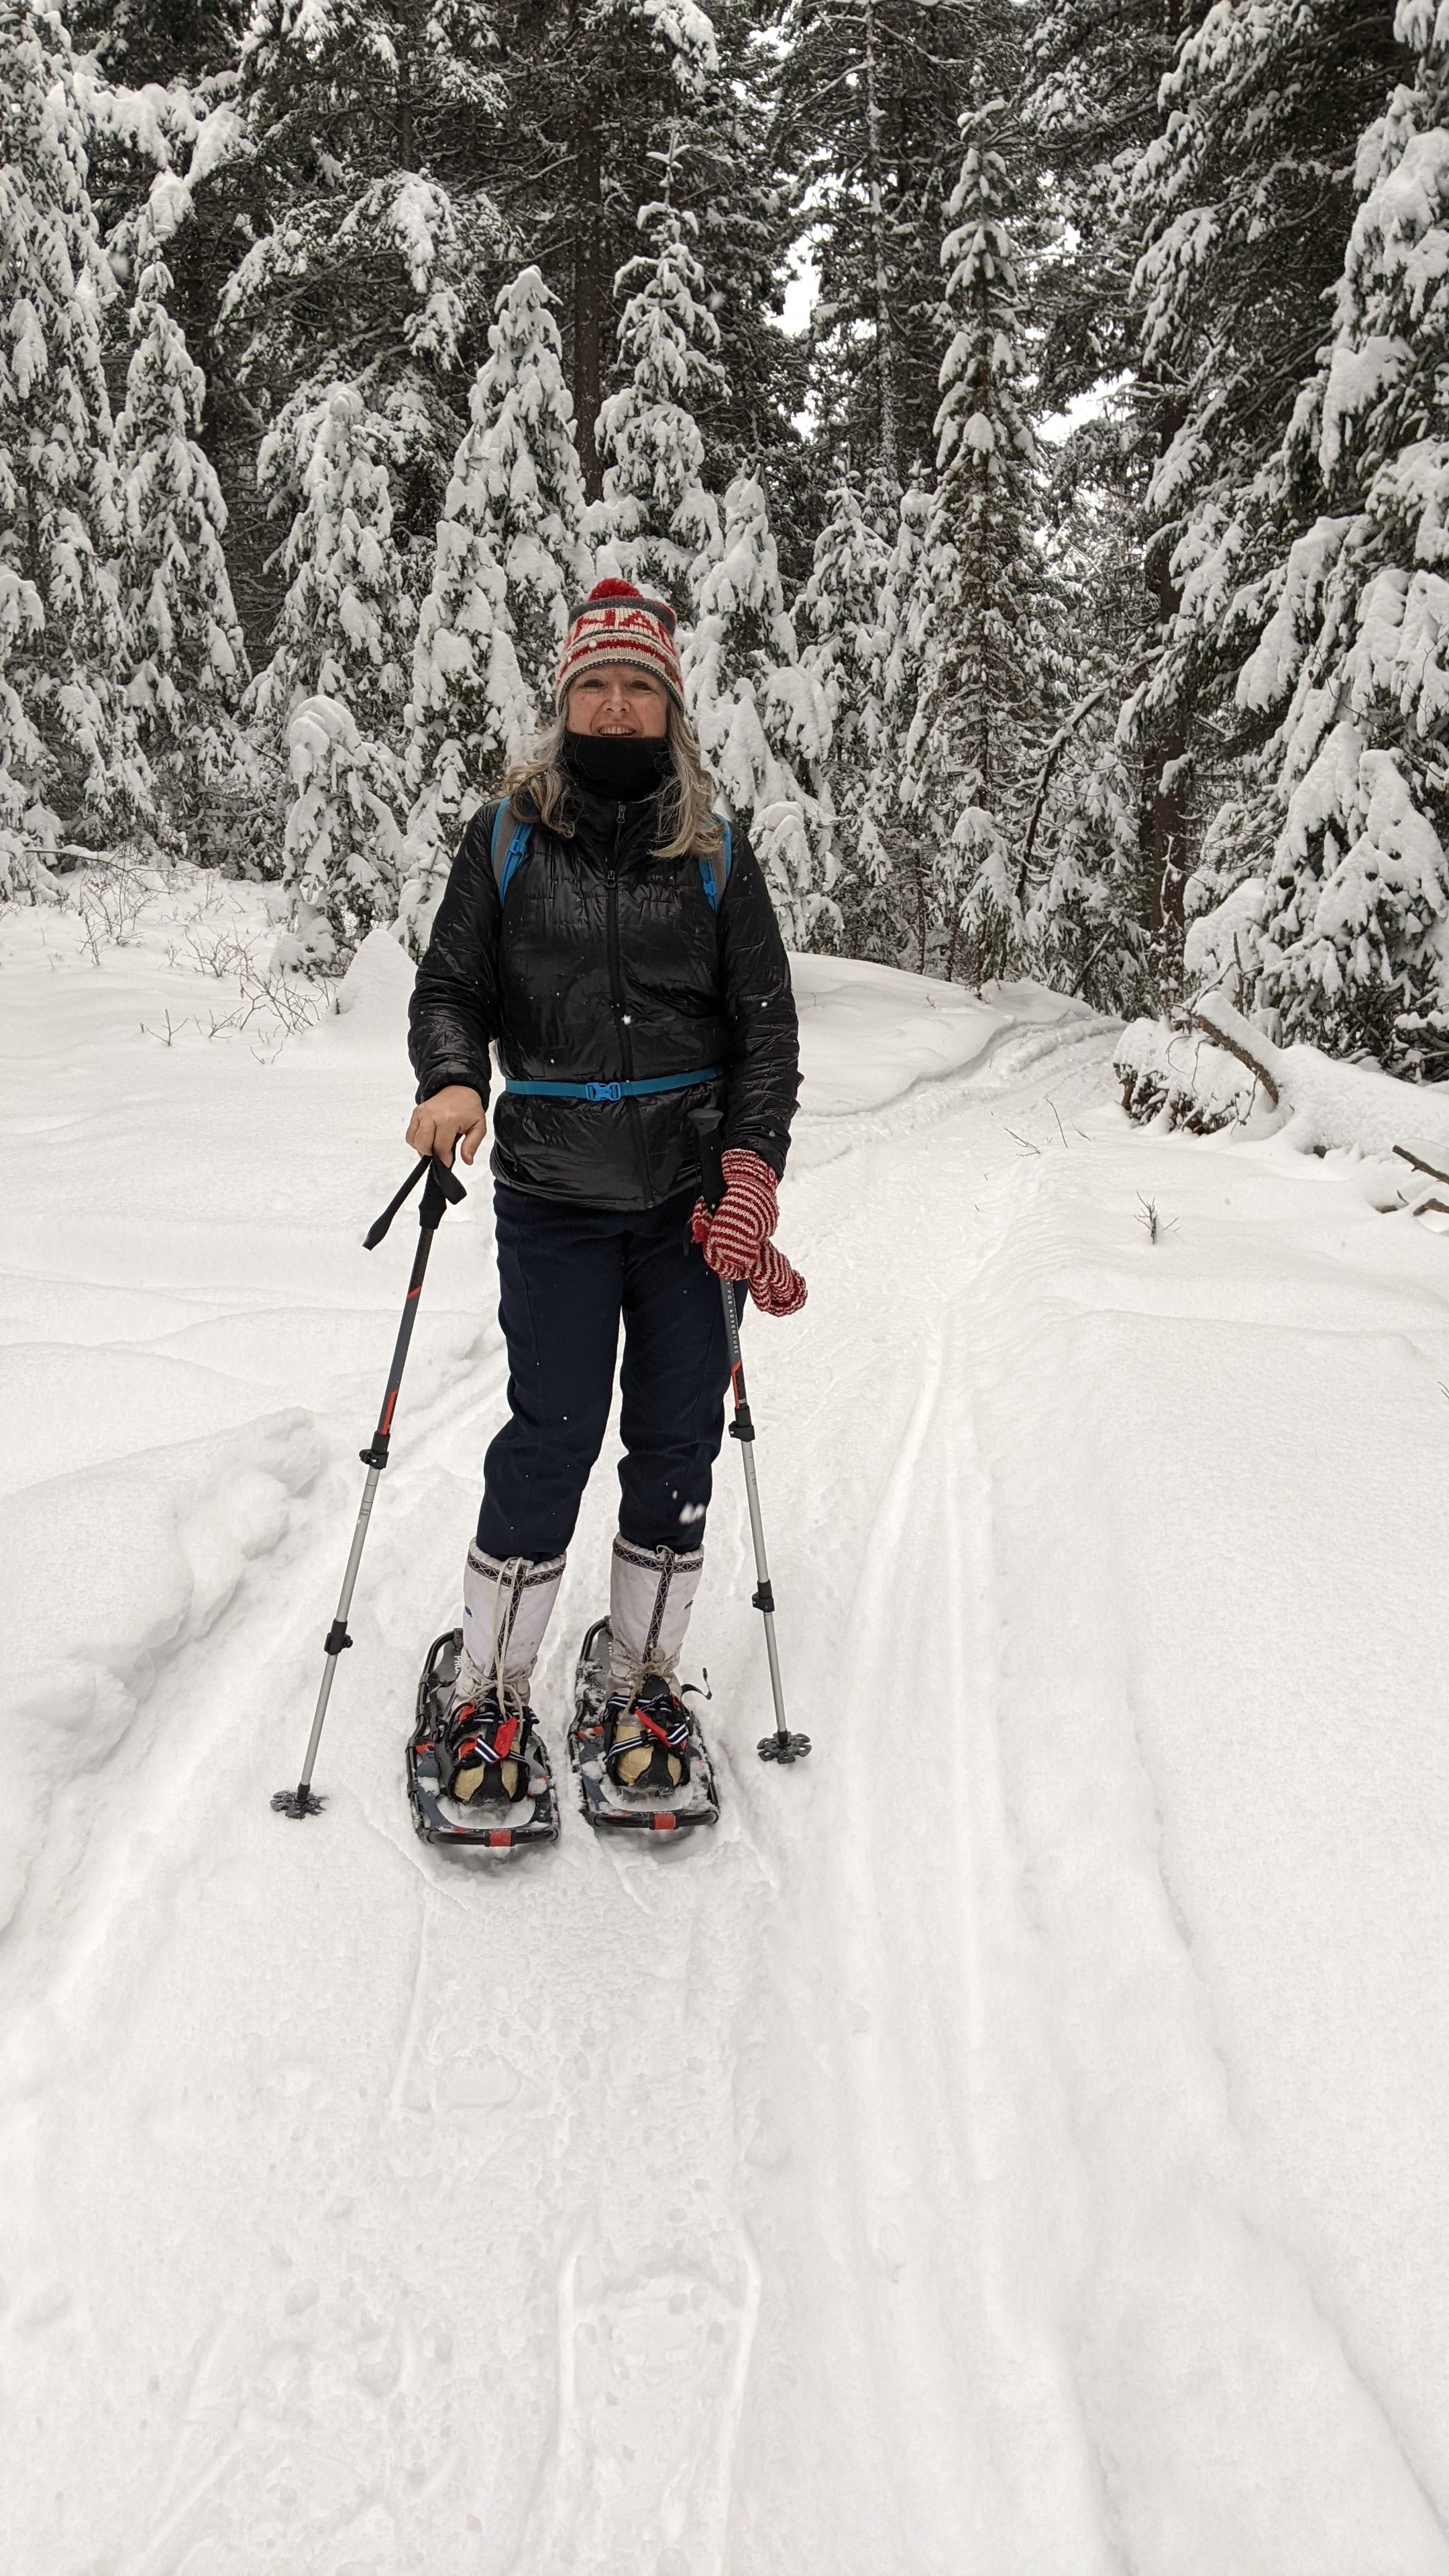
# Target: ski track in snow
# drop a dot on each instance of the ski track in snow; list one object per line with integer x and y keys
{"x": 1028, "y": 2167}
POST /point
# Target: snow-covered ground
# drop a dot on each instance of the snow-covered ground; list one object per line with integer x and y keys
{"x": 1013, "y": 2141}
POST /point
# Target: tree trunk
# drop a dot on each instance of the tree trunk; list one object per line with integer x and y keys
{"x": 588, "y": 295}
{"x": 406, "y": 139}
{"x": 1164, "y": 826}
{"x": 1162, "y": 837}
{"x": 885, "y": 345}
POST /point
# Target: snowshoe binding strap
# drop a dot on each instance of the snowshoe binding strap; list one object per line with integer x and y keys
{"x": 486, "y": 1753}
{"x": 646, "y": 1739}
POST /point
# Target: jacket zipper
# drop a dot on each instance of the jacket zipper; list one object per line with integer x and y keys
{"x": 616, "y": 988}
{"x": 616, "y": 978}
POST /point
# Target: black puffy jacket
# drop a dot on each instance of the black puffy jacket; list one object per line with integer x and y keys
{"x": 605, "y": 964}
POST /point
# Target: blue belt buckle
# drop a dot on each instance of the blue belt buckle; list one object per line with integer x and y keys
{"x": 603, "y": 1091}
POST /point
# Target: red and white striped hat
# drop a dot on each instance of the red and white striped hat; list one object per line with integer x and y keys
{"x": 616, "y": 623}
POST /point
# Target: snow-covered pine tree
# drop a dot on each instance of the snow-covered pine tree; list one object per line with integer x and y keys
{"x": 1352, "y": 925}
{"x": 22, "y": 753}
{"x": 728, "y": 175}
{"x": 188, "y": 681}
{"x": 175, "y": 46}
{"x": 346, "y": 622}
{"x": 1243, "y": 201}
{"x": 342, "y": 636}
{"x": 656, "y": 517}
{"x": 761, "y": 718}
{"x": 510, "y": 561}
{"x": 343, "y": 850}
{"x": 1094, "y": 70}
{"x": 375, "y": 248}
{"x": 70, "y": 768}
{"x": 869, "y": 93}
{"x": 1088, "y": 907}
{"x": 528, "y": 459}
{"x": 975, "y": 623}
{"x": 1093, "y": 109}
{"x": 594, "y": 88}
{"x": 837, "y": 620}
{"x": 896, "y": 870}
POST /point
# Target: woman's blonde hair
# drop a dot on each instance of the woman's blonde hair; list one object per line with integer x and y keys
{"x": 539, "y": 784}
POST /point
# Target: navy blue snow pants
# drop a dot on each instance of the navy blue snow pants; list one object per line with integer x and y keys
{"x": 567, "y": 1274}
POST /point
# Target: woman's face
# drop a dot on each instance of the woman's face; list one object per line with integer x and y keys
{"x": 615, "y": 697}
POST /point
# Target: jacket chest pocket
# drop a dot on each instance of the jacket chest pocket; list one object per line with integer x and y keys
{"x": 554, "y": 950}
{"x": 555, "y": 911}
{"x": 667, "y": 936}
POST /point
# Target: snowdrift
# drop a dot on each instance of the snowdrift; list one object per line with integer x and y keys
{"x": 1225, "y": 1072}
{"x": 871, "y": 1034}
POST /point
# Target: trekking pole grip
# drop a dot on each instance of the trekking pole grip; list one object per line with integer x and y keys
{"x": 443, "y": 1184}
{"x": 707, "y": 1124}
{"x": 441, "y": 1190}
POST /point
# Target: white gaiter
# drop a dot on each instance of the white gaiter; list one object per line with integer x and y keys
{"x": 651, "y": 1594}
{"x": 506, "y": 1609}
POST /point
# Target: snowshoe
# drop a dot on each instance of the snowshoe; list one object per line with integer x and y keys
{"x": 674, "y": 1788}
{"x": 475, "y": 1777}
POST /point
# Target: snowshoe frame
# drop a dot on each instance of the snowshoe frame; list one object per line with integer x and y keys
{"x": 610, "y": 1809}
{"x": 482, "y": 1826}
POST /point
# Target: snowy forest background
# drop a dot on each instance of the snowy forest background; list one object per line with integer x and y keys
{"x": 1063, "y": 593}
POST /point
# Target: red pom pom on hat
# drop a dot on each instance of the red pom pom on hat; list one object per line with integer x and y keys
{"x": 613, "y": 588}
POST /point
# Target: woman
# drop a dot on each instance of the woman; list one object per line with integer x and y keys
{"x": 617, "y": 944}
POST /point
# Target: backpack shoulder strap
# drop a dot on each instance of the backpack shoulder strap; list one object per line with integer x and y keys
{"x": 508, "y": 846}
{"x": 715, "y": 872}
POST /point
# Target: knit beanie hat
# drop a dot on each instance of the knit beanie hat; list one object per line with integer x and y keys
{"x": 616, "y": 623}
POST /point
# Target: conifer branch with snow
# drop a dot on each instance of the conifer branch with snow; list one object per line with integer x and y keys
{"x": 343, "y": 628}
{"x": 656, "y": 518}
{"x": 510, "y": 562}
{"x": 188, "y": 681}
{"x": 70, "y": 766}
{"x": 972, "y": 620}
{"x": 762, "y": 717}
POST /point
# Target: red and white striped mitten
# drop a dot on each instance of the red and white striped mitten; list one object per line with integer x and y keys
{"x": 735, "y": 1234}
{"x": 735, "y": 1239}
{"x": 776, "y": 1286}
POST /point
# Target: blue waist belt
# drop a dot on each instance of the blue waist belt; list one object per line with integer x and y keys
{"x": 614, "y": 1090}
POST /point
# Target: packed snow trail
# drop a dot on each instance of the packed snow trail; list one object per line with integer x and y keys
{"x": 1011, "y": 2142}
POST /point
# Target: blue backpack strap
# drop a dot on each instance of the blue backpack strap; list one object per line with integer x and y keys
{"x": 714, "y": 886}
{"x": 508, "y": 846}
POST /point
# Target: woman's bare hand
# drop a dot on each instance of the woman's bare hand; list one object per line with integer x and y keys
{"x": 436, "y": 1125}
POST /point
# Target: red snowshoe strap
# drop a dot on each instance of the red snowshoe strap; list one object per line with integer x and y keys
{"x": 673, "y": 1734}
{"x": 498, "y": 1739}
{"x": 669, "y": 1728}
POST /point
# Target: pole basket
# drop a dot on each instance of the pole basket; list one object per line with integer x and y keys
{"x": 783, "y": 1748}
{"x": 300, "y": 1801}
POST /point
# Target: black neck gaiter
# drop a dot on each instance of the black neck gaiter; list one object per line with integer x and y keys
{"x": 625, "y": 766}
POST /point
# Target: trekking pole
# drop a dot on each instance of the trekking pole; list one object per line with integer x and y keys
{"x": 443, "y": 1189}
{"x": 782, "y": 1746}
